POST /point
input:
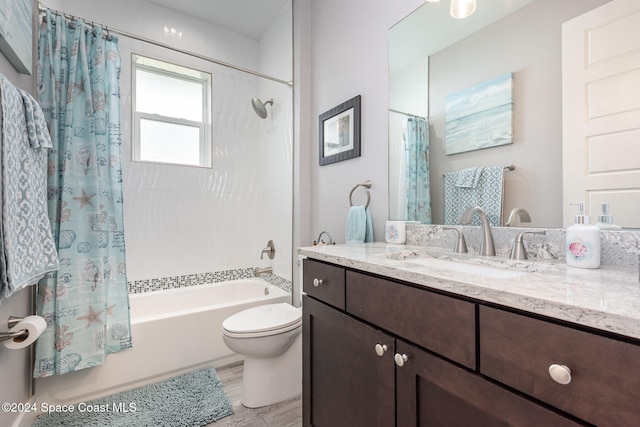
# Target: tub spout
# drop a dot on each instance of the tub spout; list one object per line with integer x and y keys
{"x": 261, "y": 271}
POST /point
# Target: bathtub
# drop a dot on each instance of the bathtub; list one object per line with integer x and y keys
{"x": 173, "y": 331}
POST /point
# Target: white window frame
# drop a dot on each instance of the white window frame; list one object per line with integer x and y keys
{"x": 182, "y": 73}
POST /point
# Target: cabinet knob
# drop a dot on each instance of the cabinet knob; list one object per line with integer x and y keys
{"x": 381, "y": 349}
{"x": 400, "y": 359}
{"x": 317, "y": 282}
{"x": 560, "y": 374}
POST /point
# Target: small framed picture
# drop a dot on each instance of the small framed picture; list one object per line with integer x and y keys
{"x": 16, "y": 33}
{"x": 340, "y": 132}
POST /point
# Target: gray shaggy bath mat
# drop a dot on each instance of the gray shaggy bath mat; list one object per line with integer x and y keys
{"x": 190, "y": 400}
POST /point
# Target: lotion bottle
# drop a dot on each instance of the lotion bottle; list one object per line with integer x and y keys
{"x": 605, "y": 220}
{"x": 583, "y": 241}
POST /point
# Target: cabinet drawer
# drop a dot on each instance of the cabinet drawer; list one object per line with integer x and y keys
{"x": 604, "y": 387}
{"x": 433, "y": 392}
{"x": 324, "y": 282}
{"x": 442, "y": 324}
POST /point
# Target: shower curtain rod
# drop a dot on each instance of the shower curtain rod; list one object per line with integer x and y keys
{"x": 406, "y": 114}
{"x": 112, "y": 30}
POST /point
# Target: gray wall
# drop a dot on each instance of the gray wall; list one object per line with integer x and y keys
{"x": 349, "y": 57}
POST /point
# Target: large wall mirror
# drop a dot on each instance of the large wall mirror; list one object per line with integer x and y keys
{"x": 433, "y": 56}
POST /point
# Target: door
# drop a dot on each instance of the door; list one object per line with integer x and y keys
{"x": 601, "y": 111}
{"x": 345, "y": 381}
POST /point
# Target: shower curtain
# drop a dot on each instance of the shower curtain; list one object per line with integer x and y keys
{"x": 416, "y": 145}
{"x": 86, "y": 303}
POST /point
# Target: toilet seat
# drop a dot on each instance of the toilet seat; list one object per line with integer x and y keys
{"x": 263, "y": 320}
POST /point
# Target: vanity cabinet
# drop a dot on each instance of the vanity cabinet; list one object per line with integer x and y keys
{"x": 599, "y": 377}
{"x": 435, "y": 393}
{"x": 345, "y": 382}
{"x": 400, "y": 355}
{"x": 444, "y": 325}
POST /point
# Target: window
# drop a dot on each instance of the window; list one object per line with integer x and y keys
{"x": 171, "y": 107}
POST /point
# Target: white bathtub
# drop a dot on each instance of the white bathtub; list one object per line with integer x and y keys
{"x": 174, "y": 331}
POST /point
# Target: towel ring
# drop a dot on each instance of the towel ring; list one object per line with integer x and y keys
{"x": 366, "y": 184}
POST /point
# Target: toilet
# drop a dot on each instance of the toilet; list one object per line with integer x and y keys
{"x": 270, "y": 339}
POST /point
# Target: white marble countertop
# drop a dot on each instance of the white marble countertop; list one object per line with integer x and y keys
{"x": 607, "y": 298}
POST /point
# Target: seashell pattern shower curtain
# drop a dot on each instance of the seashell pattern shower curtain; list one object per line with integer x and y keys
{"x": 416, "y": 146}
{"x": 86, "y": 303}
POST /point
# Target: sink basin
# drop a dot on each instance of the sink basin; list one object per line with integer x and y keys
{"x": 460, "y": 267}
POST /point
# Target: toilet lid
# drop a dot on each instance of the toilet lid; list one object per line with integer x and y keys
{"x": 263, "y": 318}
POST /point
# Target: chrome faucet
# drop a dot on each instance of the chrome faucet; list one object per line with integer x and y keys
{"x": 486, "y": 247}
{"x": 515, "y": 212}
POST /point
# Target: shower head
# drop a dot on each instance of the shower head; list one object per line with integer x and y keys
{"x": 260, "y": 107}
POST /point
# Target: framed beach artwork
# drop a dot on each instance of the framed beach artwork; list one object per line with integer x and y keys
{"x": 480, "y": 116}
{"x": 340, "y": 132}
{"x": 16, "y": 33}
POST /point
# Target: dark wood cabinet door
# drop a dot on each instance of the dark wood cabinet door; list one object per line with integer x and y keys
{"x": 432, "y": 392}
{"x": 345, "y": 382}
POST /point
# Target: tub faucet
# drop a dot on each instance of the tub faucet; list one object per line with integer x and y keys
{"x": 260, "y": 271}
{"x": 270, "y": 250}
{"x": 515, "y": 212}
{"x": 486, "y": 247}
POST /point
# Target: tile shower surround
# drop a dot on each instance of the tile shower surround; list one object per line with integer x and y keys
{"x": 150, "y": 285}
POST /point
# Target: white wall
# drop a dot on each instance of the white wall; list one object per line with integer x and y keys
{"x": 182, "y": 220}
{"x": 349, "y": 57}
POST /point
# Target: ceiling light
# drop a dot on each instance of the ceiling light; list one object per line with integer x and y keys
{"x": 462, "y": 8}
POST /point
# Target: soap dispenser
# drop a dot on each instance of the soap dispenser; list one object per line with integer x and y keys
{"x": 583, "y": 241}
{"x": 605, "y": 220}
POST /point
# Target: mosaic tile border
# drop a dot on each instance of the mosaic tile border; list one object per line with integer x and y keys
{"x": 150, "y": 285}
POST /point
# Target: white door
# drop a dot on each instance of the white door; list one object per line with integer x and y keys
{"x": 601, "y": 112}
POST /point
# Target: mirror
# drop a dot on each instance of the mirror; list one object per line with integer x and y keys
{"x": 433, "y": 56}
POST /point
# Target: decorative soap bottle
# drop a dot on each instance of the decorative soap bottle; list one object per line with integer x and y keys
{"x": 583, "y": 241}
{"x": 605, "y": 220}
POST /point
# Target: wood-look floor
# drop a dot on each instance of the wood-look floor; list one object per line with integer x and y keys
{"x": 284, "y": 414}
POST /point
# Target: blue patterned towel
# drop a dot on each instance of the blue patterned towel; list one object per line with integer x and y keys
{"x": 468, "y": 178}
{"x": 359, "y": 225}
{"x": 27, "y": 242}
{"x": 488, "y": 194}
